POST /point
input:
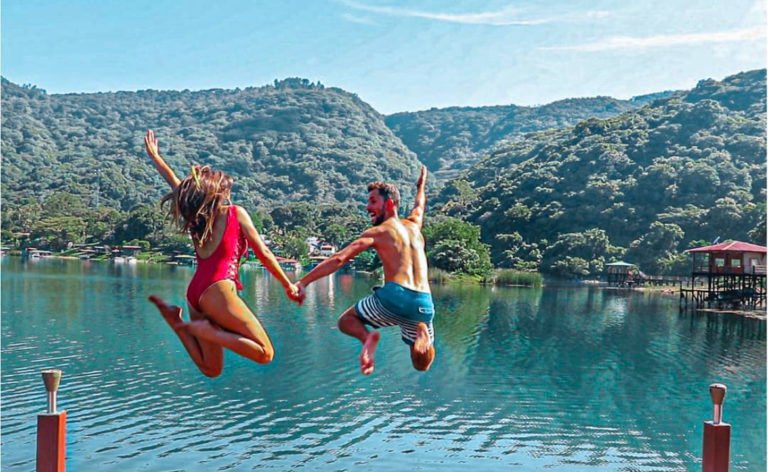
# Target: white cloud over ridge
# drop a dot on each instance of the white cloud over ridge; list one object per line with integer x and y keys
{"x": 508, "y": 16}
{"x": 614, "y": 43}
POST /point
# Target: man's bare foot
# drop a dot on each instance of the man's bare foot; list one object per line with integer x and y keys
{"x": 171, "y": 313}
{"x": 422, "y": 343}
{"x": 369, "y": 348}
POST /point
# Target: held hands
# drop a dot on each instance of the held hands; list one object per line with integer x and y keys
{"x": 295, "y": 292}
{"x": 302, "y": 290}
{"x": 151, "y": 145}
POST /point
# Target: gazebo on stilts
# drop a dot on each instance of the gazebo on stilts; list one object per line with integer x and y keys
{"x": 735, "y": 276}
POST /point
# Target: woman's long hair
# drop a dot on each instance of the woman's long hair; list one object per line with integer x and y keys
{"x": 196, "y": 202}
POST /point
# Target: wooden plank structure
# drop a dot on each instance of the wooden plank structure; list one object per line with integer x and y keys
{"x": 621, "y": 274}
{"x": 734, "y": 275}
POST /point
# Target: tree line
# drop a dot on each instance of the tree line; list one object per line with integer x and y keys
{"x": 561, "y": 189}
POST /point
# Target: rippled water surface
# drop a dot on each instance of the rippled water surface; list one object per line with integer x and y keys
{"x": 530, "y": 379}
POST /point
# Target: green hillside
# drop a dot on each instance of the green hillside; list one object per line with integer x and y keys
{"x": 449, "y": 140}
{"x": 644, "y": 185}
{"x": 291, "y": 141}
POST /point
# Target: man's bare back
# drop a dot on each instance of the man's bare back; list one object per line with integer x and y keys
{"x": 400, "y": 246}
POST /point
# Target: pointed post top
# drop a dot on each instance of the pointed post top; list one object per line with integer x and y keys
{"x": 51, "y": 378}
{"x": 717, "y": 393}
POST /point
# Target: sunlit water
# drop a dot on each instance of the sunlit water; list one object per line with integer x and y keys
{"x": 525, "y": 379}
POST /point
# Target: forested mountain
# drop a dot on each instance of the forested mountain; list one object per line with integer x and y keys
{"x": 660, "y": 173}
{"x": 643, "y": 185}
{"x": 448, "y": 140}
{"x": 291, "y": 141}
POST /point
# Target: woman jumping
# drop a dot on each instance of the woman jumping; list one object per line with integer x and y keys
{"x": 221, "y": 233}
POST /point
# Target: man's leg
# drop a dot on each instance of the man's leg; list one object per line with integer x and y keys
{"x": 422, "y": 350}
{"x": 351, "y": 325}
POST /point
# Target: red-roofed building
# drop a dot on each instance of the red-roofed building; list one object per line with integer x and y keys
{"x": 731, "y": 257}
{"x": 734, "y": 271}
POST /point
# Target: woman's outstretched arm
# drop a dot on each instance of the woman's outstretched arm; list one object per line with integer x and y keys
{"x": 153, "y": 151}
{"x": 264, "y": 254}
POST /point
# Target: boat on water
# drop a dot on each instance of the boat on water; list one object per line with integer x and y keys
{"x": 34, "y": 253}
{"x": 183, "y": 259}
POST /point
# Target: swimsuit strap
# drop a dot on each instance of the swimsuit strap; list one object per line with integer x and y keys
{"x": 231, "y": 215}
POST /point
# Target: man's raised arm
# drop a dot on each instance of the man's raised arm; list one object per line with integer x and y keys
{"x": 417, "y": 214}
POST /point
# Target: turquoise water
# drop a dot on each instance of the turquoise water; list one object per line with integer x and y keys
{"x": 554, "y": 378}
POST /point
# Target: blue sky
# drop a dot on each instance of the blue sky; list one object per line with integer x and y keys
{"x": 396, "y": 55}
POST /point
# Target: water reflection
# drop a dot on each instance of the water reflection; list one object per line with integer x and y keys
{"x": 566, "y": 378}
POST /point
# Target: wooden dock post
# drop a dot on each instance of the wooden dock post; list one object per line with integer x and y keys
{"x": 717, "y": 435}
{"x": 51, "y": 429}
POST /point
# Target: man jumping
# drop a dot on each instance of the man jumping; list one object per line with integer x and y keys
{"x": 405, "y": 299}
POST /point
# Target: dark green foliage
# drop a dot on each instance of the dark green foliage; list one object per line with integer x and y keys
{"x": 368, "y": 261}
{"x": 684, "y": 168}
{"x": 641, "y": 184}
{"x": 449, "y": 140}
{"x": 579, "y": 254}
{"x": 55, "y": 232}
{"x": 145, "y": 222}
{"x": 294, "y": 141}
{"x": 657, "y": 248}
{"x": 454, "y": 246}
{"x": 337, "y": 224}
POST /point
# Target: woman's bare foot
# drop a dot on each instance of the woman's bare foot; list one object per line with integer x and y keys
{"x": 422, "y": 343}
{"x": 369, "y": 348}
{"x": 171, "y": 313}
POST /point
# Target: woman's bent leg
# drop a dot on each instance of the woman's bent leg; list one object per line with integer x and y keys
{"x": 238, "y": 329}
{"x": 207, "y": 357}
{"x": 212, "y": 353}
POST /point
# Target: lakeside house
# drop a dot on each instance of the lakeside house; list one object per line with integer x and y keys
{"x": 290, "y": 265}
{"x": 621, "y": 274}
{"x": 734, "y": 272}
{"x": 125, "y": 253}
{"x": 319, "y": 251}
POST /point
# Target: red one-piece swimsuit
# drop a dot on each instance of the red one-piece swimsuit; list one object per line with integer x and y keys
{"x": 223, "y": 264}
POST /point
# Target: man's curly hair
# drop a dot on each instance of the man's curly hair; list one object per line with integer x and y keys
{"x": 387, "y": 191}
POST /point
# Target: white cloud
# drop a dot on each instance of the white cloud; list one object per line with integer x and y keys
{"x": 665, "y": 40}
{"x": 508, "y": 16}
{"x": 357, "y": 19}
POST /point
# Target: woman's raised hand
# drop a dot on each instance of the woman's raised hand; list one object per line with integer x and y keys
{"x": 150, "y": 143}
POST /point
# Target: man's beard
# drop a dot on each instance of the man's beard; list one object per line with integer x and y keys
{"x": 379, "y": 219}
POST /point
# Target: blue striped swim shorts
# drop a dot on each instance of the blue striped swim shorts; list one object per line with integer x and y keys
{"x": 395, "y": 305}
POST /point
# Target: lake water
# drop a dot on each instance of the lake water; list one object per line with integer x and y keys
{"x": 530, "y": 379}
